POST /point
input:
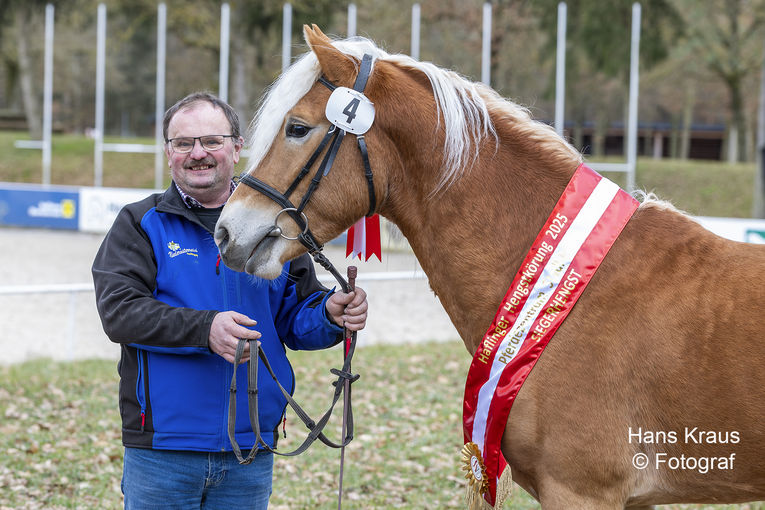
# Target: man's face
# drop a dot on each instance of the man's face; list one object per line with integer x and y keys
{"x": 203, "y": 174}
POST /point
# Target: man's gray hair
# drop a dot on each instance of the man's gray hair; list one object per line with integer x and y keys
{"x": 204, "y": 97}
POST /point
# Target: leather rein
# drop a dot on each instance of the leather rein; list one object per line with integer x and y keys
{"x": 332, "y": 139}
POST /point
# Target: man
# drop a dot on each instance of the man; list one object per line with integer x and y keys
{"x": 178, "y": 313}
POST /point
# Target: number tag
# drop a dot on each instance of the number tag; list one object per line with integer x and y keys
{"x": 350, "y": 110}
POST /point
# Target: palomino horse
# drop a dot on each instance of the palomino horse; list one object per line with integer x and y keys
{"x": 664, "y": 354}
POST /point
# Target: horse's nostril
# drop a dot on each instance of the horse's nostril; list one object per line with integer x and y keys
{"x": 221, "y": 237}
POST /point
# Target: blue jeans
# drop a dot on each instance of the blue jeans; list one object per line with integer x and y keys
{"x": 181, "y": 480}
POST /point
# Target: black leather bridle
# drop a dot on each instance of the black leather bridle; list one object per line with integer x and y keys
{"x": 332, "y": 139}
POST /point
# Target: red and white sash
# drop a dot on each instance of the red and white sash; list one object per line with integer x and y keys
{"x": 584, "y": 224}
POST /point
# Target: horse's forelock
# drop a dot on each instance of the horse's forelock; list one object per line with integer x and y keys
{"x": 289, "y": 88}
{"x": 282, "y": 95}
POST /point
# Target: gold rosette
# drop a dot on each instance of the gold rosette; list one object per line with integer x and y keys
{"x": 475, "y": 470}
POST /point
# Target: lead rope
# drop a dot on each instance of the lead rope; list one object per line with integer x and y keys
{"x": 352, "y": 272}
{"x": 315, "y": 428}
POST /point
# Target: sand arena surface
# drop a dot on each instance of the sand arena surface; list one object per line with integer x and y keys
{"x": 65, "y": 326}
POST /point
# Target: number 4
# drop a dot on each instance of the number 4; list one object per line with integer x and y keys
{"x": 350, "y": 109}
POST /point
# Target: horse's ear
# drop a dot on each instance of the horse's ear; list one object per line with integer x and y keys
{"x": 335, "y": 65}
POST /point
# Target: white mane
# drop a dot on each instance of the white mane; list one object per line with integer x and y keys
{"x": 460, "y": 107}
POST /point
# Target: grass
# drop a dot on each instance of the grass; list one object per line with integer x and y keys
{"x": 72, "y": 162}
{"x": 706, "y": 188}
{"x": 60, "y": 435}
{"x": 703, "y": 188}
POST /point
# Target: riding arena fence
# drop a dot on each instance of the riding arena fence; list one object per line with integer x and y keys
{"x": 628, "y": 166}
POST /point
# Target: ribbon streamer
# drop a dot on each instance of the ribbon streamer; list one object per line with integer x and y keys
{"x": 363, "y": 238}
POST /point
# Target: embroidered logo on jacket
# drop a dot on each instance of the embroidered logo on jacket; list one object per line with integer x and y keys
{"x": 175, "y": 250}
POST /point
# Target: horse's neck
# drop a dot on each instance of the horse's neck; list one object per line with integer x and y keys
{"x": 472, "y": 237}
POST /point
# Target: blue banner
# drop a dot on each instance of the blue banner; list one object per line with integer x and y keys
{"x": 35, "y": 206}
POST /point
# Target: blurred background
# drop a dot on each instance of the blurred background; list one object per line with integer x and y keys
{"x": 700, "y": 65}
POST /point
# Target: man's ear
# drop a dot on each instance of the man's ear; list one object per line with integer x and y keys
{"x": 168, "y": 153}
{"x": 338, "y": 67}
{"x": 238, "y": 144}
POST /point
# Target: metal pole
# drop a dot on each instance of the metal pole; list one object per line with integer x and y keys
{"x": 225, "y": 25}
{"x": 633, "y": 98}
{"x": 98, "y": 156}
{"x": 486, "y": 45}
{"x": 759, "y": 174}
{"x": 286, "y": 36}
{"x": 560, "y": 71}
{"x": 159, "y": 111}
{"x": 47, "y": 95}
{"x": 351, "y": 20}
{"x": 415, "y": 47}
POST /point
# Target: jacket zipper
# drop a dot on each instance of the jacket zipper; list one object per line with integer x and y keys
{"x": 228, "y": 374}
{"x": 141, "y": 388}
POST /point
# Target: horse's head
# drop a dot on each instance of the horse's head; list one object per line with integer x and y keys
{"x": 291, "y": 134}
{"x": 431, "y": 129}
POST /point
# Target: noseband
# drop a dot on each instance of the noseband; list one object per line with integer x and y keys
{"x": 333, "y": 138}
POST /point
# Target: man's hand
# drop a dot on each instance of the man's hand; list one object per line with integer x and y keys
{"x": 348, "y": 310}
{"x": 226, "y": 330}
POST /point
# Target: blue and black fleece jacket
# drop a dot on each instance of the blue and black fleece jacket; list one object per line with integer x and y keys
{"x": 159, "y": 284}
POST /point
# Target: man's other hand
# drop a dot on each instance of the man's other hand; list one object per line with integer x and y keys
{"x": 226, "y": 330}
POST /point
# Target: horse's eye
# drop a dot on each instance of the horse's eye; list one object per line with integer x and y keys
{"x": 297, "y": 130}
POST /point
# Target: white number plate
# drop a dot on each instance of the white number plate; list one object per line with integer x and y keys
{"x": 350, "y": 110}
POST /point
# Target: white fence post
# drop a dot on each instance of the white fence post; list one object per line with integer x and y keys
{"x": 160, "y": 99}
{"x": 47, "y": 95}
{"x": 415, "y": 45}
{"x": 560, "y": 71}
{"x": 98, "y": 135}
{"x": 486, "y": 45}
{"x": 758, "y": 209}
{"x": 225, "y": 28}
{"x": 351, "y": 20}
{"x": 286, "y": 36}
{"x": 630, "y": 133}
{"x": 633, "y": 97}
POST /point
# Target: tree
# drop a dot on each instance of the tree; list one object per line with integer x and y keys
{"x": 256, "y": 42}
{"x": 22, "y": 16}
{"x": 727, "y": 35}
{"x": 598, "y": 52}
{"x": 193, "y": 37}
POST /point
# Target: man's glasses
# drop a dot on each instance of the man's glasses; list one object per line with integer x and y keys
{"x": 185, "y": 144}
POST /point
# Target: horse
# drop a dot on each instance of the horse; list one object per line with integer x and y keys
{"x": 664, "y": 353}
